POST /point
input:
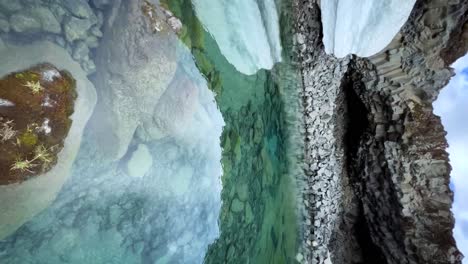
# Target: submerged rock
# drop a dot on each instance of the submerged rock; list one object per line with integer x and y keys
{"x": 24, "y": 23}
{"x": 175, "y": 111}
{"x": 34, "y": 121}
{"x": 79, "y": 8}
{"x": 140, "y": 162}
{"x": 135, "y": 64}
{"x": 23, "y": 200}
{"x": 76, "y": 28}
{"x": 10, "y": 5}
{"x": 4, "y": 24}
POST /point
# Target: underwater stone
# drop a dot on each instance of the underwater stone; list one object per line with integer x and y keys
{"x": 24, "y": 23}
{"x": 140, "y": 162}
{"x": 249, "y": 216}
{"x": 131, "y": 59}
{"x": 76, "y": 28}
{"x": 101, "y": 3}
{"x": 10, "y": 5}
{"x": 78, "y": 8}
{"x": 89, "y": 66}
{"x": 96, "y": 31}
{"x": 47, "y": 19}
{"x": 243, "y": 192}
{"x": 237, "y": 206}
{"x": 180, "y": 182}
{"x": 4, "y": 25}
{"x": 92, "y": 42}
{"x": 80, "y": 51}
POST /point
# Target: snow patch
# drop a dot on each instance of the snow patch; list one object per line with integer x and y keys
{"x": 246, "y": 31}
{"x": 45, "y": 127}
{"x": 47, "y": 102}
{"x": 362, "y": 28}
{"x": 4, "y": 102}
{"x": 50, "y": 75}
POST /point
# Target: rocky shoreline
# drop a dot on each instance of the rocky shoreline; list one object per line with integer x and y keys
{"x": 376, "y": 167}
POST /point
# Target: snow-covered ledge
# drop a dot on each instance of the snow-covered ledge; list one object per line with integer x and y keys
{"x": 362, "y": 27}
{"x": 246, "y": 31}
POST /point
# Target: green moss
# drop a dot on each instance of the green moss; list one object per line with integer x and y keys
{"x": 27, "y": 76}
{"x": 29, "y": 143}
{"x": 203, "y": 63}
{"x": 28, "y": 139}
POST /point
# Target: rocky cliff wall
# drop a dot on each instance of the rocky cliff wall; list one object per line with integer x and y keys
{"x": 376, "y": 166}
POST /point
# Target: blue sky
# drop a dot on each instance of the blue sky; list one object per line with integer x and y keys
{"x": 452, "y": 106}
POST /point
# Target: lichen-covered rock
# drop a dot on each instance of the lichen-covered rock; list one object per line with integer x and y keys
{"x": 23, "y": 200}
{"x": 35, "y": 120}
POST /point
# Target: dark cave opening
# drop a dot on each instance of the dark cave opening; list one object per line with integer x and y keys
{"x": 356, "y": 126}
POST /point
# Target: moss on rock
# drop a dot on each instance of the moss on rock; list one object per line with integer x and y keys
{"x": 35, "y": 122}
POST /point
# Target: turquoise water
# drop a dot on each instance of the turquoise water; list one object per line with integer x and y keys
{"x": 204, "y": 175}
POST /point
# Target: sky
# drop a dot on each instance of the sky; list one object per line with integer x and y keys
{"x": 452, "y": 106}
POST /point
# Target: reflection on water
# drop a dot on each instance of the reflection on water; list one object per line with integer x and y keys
{"x": 184, "y": 159}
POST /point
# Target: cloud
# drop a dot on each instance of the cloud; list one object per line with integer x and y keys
{"x": 452, "y": 106}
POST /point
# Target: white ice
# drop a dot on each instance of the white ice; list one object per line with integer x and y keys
{"x": 246, "y": 31}
{"x": 362, "y": 27}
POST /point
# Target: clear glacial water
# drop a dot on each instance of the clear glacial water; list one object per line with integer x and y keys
{"x": 189, "y": 162}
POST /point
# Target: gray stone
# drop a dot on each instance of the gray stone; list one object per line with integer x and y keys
{"x": 243, "y": 192}
{"x": 4, "y": 25}
{"x": 58, "y": 11}
{"x": 78, "y": 8}
{"x": 237, "y": 206}
{"x": 47, "y": 19}
{"x": 249, "y": 216}
{"x": 128, "y": 45}
{"x": 96, "y": 31}
{"x": 92, "y": 42}
{"x": 80, "y": 51}
{"x": 10, "y": 5}
{"x": 24, "y": 23}
{"x": 101, "y": 3}
{"x": 76, "y": 28}
{"x": 89, "y": 66}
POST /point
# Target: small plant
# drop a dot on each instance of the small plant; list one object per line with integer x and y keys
{"x": 34, "y": 86}
{"x": 6, "y": 130}
{"x": 23, "y": 165}
{"x": 43, "y": 155}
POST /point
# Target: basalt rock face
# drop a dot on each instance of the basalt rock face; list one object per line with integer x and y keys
{"x": 376, "y": 167}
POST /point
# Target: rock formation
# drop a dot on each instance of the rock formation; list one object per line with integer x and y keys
{"x": 377, "y": 169}
{"x": 136, "y": 61}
